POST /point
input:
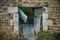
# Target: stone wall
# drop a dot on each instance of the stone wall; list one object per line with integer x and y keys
{"x": 54, "y": 14}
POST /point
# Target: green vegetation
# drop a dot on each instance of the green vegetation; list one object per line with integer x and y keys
{"x": 42, "y": 36}
{"x": 56, "y": 35}
{"x": 48, "y": 36}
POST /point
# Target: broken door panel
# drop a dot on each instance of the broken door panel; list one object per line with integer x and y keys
{"x": 38, "y": 11}
{"x": 23, "y": 16}
{"x": 28, "y": 30}
{"x": 37, "y": 22}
